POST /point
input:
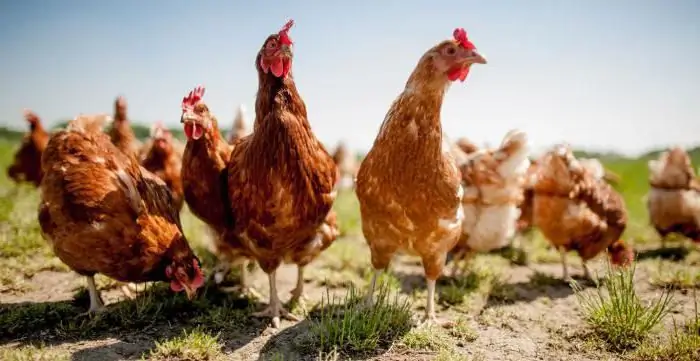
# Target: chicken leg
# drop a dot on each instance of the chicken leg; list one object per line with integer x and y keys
{"x": 298, "y": 291}
{"x": 96, "y": 304}
{"x": 564, "y": 265}
{"x": 369, "y": 299}
{"x": 430, "y": 317}
{"x": 586, "y": 271}
{"x": 275, "y": 309}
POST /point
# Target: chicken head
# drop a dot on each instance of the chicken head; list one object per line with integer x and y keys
{"x": 185, "y": 276}
{"x": 276, "y": 54}
{"x": 195, "y": 114}
{"x": 455, "y": 57}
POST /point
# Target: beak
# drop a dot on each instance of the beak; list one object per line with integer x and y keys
{"x": 191, "y": 293}
{"x": 476, "y": 58}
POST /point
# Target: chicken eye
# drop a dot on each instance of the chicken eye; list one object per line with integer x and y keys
{"x": 272, "y": 44}
{"x": 450, "y": 50}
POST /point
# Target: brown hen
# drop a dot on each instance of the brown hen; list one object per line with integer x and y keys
{"x": 281, "y": 178}
{"x": 204, "y": 179}
{"x": 674, "y": 198}
{"x": 121, "y": 133}
{"x": 164, "y": 159}
{"x": 103, "y": 213}
{"x": 575, "y": 210}
{"x": 408, "y": 185}
{"x": 27, "y": 163}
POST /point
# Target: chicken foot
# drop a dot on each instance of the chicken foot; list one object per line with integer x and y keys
{"x": 96, "y": 304}
{"x": 275, "y": 309}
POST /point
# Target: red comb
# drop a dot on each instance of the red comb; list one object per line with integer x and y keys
{"x": 283, "y": 34}
{"x": 192, "y": 98}
{"x": 461, "y": 36}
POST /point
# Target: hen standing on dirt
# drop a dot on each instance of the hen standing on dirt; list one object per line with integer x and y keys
{"x": 575, "y": 210}
{"x": 204, "y": 178}
{"x": 103, "y": 213}
{"x": 409, "y": 185}
{"x": 280, "y": 177}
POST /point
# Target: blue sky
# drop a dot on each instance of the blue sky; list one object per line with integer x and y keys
{"x": 617, "y": 75}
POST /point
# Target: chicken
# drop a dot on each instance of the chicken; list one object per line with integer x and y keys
{"x": 347, "y": 165}
{"x": 577, "y": 211}
{"x": 408, "y": 185}
{"x": 103, "y": 213}
{"x": 163, "y": 158}
{"x": 27, "y": 163}
{"x": 280, "y": 177}
{"x": 121, "y": 133}
{"x": 674, "y": 198}
{"x": 240, "y": 127}
{"x": 204, "y": 182}
{"x": 494, "y": 182}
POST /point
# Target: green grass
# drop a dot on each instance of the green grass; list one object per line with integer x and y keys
{"x": 33, "y": 353}
{"x": 427, "y": 339}
{"x": 682, "y": 345}
{"x": 195, "y": 345}
{"x": 617, "y": 314}
{"x": 348, "y": 326}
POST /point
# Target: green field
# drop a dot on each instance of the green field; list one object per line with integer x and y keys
{"x": 504, "y": 308}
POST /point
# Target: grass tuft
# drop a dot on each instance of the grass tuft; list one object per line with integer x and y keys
{"x": 195, "y": 345}
{"x": 616, "y": 312}
{"x": 426, "y": 339}
{"x": 348, "y": 326}
{"x": 463, "y": 332}
{"x": 33, "y": 353}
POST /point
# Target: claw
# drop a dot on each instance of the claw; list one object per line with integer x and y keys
{"x": 126, "y": 290}
{"x": 275, "y": 312}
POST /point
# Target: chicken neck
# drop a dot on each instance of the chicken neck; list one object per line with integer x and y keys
{"x": 412, "y": 132}
{"x": 282, "y": 133}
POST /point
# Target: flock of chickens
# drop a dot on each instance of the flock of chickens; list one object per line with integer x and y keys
{"x": 110, "y": 205}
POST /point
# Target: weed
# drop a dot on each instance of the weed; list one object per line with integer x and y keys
{"x": 348, "y": 325}
{"x": 463, "y": 332}
{"x": 33, "y": 353}
{"x": 426, "y": 339}
{"x": 617, "y": 313}
{"x": 195, "y": 345}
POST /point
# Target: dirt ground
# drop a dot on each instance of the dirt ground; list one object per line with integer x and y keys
{"x": 530, "y": 315}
